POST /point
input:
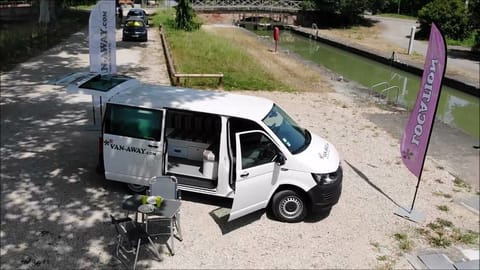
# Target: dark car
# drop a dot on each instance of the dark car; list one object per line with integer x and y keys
{"x": 135, "y": 29}
{"x": 138, "y": 12}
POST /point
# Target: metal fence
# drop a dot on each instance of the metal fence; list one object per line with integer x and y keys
{"x": 264, "y": 5}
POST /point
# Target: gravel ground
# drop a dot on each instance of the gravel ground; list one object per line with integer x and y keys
{"x": 54, "y": 207}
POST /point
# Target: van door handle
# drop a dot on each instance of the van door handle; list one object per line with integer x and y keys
{"x": 245, "y": 174}
{"x": 153, "y": 146}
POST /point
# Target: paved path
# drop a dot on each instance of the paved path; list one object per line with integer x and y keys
{"x": 397, "y": 31}
{"x": 54, "y": 205}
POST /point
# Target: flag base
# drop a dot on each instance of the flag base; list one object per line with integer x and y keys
{"x": 413, "y": 215}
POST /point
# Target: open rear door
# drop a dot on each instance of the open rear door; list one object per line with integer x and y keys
{"x": 133, "y": 143}
{"x": 255, "y": 177}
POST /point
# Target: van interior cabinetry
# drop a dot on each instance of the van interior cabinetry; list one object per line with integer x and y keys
{"x": 191, "y": 141}
{"x": 186, "y": 149}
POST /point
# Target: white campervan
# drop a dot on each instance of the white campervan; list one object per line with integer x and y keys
{"x": 217, "y": 143}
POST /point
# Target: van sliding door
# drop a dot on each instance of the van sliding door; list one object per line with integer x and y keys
{"x": 133, "y": 143}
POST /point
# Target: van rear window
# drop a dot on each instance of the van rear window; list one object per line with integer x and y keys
{"x": 133, "y": 122}
{"x": 134, "y": 24}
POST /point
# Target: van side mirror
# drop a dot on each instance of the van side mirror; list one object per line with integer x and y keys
{"x": 280, "y": 159}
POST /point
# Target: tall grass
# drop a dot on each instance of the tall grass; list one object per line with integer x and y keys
{"x": 202, "y": 52}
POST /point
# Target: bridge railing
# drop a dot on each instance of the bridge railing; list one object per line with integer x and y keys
{"x": 277, "y": 5}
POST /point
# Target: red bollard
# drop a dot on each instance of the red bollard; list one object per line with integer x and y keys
{"x": 276, "y": 36}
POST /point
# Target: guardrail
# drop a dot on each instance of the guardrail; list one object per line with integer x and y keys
{"x": 387, "y": 89}
{"x": 14, "y": 3}
{"x": 248, "y": 5}
{"x": 179, "y": 76}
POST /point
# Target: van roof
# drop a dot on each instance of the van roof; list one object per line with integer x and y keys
{"x": 215, "y": 102}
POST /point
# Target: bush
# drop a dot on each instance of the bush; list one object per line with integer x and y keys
{"x": 475, "y": 16}
{"x": 449, "y": 15}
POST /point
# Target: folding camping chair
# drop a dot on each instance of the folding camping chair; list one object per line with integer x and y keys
{"x": 167, "y": 188}
{"x": 130, "y": 237}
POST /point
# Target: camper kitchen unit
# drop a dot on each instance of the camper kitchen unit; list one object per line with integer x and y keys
{"x": 216, "y": 143}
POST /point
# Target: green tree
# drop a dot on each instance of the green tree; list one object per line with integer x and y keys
{"x": 348, "y": 11}
{"x": 450, "y": 15}
{"x": 185, "y": 16}
{"x": 412, "y": 7}
{"x": 474, "y": 8}
{"x": 405, "y": 7}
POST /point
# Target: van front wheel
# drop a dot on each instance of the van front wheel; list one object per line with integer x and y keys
{"x": 289, "y": 206}
{"x": 136, "y": 188}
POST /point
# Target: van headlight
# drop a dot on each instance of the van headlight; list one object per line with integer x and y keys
{"x": 326, "y": 178}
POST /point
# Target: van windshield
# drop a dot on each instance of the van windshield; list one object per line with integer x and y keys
{"x": 295, "y": 138}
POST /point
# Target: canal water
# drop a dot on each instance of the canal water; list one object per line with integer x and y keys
{"x": 455, "y": 108}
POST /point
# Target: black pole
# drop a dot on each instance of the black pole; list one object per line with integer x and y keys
{"x": 418, "y": 181}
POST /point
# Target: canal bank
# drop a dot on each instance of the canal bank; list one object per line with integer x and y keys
{"x": 450, "y": 148}
{"x": 456, "y": 108}
{"x": 460, "y": 83}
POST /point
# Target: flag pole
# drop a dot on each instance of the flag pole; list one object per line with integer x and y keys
{"x": 433, "y": 123}
{"x": 415, "y": 123}
{"x": 416, "y": 190}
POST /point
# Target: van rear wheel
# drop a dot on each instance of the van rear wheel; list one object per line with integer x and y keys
{"x": 136, "y": 188}
{"x": 289, "y": 206}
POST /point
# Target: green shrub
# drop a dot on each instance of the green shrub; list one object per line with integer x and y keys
{"x": 449, "y": 15}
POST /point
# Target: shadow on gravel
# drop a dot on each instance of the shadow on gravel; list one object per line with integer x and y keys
{"x": 54, "y": 206}
{"x": 364, "y": 177}
{"x": 221, "y": 215}
{"x": 317, "y": 216}
{"x": 206, "y": 199}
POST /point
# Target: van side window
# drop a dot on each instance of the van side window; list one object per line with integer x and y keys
{"x": 257, "y": 149}
{"x": 239, "y": 125}
{"x": 133, "y": 122}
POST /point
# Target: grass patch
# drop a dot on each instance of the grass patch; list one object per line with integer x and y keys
{"x": 469, "y": 237}
{"x": 468, "y": 42}
{"x": 84, "y": 7}
{"x": 387, "y": 262}
{"x": 443, "y": 208}
{"x": 441, "y": 194}
{"x": 376, "y": 245}
{"x": 202, "y": 52}
{"x": 382, "y": 258}
{"x": 460, "y": 183}
{"x": 442, "y": 233}
{"x": 404, "y": 242}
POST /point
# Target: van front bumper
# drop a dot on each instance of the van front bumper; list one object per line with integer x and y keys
{"x": 324, "y": 196}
